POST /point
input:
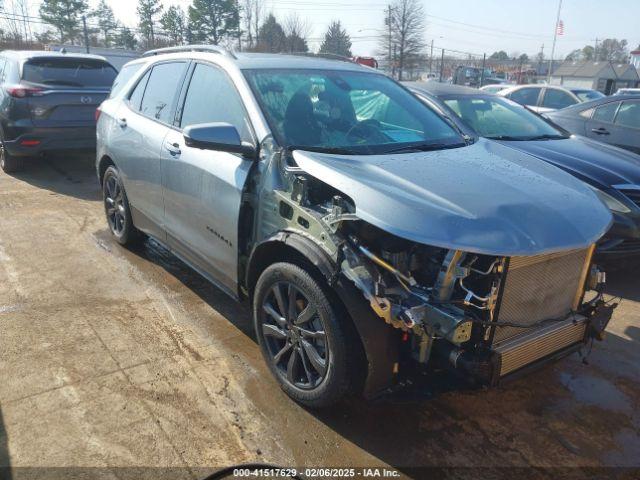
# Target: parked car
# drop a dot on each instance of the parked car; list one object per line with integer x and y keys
{"x": 614, "y": 120}
{"x": 495, "y": 88}
{"x": 587, "y": 94}
{"x": 48, "y": 102}
{"x": 541, "y": 98}
{"x": 628, "y": 91}
{"x": 613, "y": 173}
{"x": 365, "y": 229}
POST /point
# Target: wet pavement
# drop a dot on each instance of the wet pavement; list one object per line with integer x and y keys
{"x": 113, "y": 357}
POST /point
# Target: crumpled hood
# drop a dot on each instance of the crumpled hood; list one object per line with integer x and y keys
{"x": 595, "y": 162}
{"x": 485, "y": 198}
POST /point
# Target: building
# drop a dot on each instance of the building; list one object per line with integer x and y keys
{"x": 603, "y": 76}
{"x": 627, "y": 76}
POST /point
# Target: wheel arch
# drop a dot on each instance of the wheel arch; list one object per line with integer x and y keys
{"x": 378, "y": 342}
{"x": 105, "y": 162}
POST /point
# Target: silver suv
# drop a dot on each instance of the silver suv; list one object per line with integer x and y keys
{"x": 367, "y": 232}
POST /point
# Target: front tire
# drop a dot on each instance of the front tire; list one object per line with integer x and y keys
{"x": 302, "y": 336}
{"x": 117, "y": 210}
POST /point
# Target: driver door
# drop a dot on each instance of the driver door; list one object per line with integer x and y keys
{"x": 202, "y": 189}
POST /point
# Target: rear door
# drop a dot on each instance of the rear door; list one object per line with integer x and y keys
{"x": 143, "y": 120}
{"x": 626, "y": 131}
{"x": 600, "y": 125}
{"x": 70, "y": 89}
{"x": 203, "y": 188}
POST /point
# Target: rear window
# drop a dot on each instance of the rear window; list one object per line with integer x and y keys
{"x": 71, "y": 72}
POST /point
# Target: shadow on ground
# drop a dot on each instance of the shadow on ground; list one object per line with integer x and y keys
{"x": 5, "y": 464}
{"x": 70, "y": 174}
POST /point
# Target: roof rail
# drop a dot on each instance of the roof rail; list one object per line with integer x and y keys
{"x": 328, "y": 56}
{"x": 190, "y": 48}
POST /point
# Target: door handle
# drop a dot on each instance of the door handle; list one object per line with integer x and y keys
{"x": 122, "y": 122}
{"x": 600, "y": 131}
{"x": 173, "y": 148}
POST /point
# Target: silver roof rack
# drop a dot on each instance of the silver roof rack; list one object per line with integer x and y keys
{"x": 190, "y": 48}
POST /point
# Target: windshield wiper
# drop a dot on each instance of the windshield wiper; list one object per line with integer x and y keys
{"x": 335, "y": 150}
{"x": 423, "y": 147}
{"x": 510, "y": 138}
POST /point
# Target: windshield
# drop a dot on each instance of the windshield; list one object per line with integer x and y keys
{"x": 346, "y": 112}
{"x": 70, "y": 72}
{"x": 586, "y": 95}
{"x": 500, "y": 118}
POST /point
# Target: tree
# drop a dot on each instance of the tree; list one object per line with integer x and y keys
{"x": 524, "y": 58}
{"x": 126, "y": 39}
{"x": 173, "y": 23}
{"x": 336, "y": 40}
{"x": 148, "y": 10}
{"x": 252, "y": 14}
{"x": 405, "y": 25}
{"x": 212, "y": 21}
{"x": 64, "y": 16}
{"x": 296, "y": 31}
{"x": 106, "y": 21}
{"x": 585, "y": 54}
{"x": 271, "y": 36}
{"x": 613, "y": 50}
{"x": 501, "y": 55}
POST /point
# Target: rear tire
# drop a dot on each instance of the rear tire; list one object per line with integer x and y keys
{"x": 307, "y": 347}
{"x": 117, "y": 209}
{"x": 8, "y": 162}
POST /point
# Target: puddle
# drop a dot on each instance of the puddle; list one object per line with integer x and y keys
{"x": 597, "y": 392}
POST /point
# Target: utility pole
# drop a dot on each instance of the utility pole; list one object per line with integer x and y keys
{"x": 595, "y": 51}
{"x": 86, "y": 33}
{"x": 484, "y": 62}
{"x": 441, "y": 65}
{"x": 555, "y": 37}
{"x": 431, "y": 57}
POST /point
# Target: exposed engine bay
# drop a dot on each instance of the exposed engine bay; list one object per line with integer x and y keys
{"x": 486, "y": 316}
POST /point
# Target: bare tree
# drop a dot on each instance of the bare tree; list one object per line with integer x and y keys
{"x": 252, "y": 19}
{"x": 296, "y": 30}
{"x": 403, "y": 36}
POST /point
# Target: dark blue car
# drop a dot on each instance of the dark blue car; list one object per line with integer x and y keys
{"x": 612, "y": 172}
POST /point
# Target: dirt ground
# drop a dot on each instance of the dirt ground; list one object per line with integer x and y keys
{"x": 112, "y": 357}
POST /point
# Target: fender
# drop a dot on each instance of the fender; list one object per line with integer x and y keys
{"x": 379, "y": 341}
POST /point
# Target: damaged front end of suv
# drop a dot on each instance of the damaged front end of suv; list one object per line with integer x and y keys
{"x": 487, "y": 274}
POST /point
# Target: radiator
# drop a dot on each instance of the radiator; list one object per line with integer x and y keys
{"x": 542, "y": 287}
{"x": 525, "y": 349}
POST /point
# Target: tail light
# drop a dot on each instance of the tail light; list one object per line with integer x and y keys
{"x": 21, "y": 91}
{"x": 97, "y": 114}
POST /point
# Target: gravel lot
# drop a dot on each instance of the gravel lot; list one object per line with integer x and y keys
{"x": 118, "y": 358}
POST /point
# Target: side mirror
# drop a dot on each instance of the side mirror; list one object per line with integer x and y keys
{"x": 217, "y": 136}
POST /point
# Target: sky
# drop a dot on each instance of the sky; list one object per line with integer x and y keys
{"x": 474, "y": 26}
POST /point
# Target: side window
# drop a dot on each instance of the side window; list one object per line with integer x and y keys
{"x": 162, "y": 89}
{"x": 587, "y": 113}
{"x": 526, "y": 96}
{"x": 557, "y": 99}
{"x": 135, "y": 99}
{"x": 211, "y": 97}
{"x": 629, "y": 115}
{"x": 605, "y": 113}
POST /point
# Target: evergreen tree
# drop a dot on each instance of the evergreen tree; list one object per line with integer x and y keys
{"x": 173, "y": 23}
{"x": 148, "y": 10}
{"x": 211, "y": 21}
{"x": 64, "y": 16}
{"x": 271, "y": 36}
{"x": 106, "y": 21}
{"x": 336, "y": 40}
{"x": 126, "y": 39}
